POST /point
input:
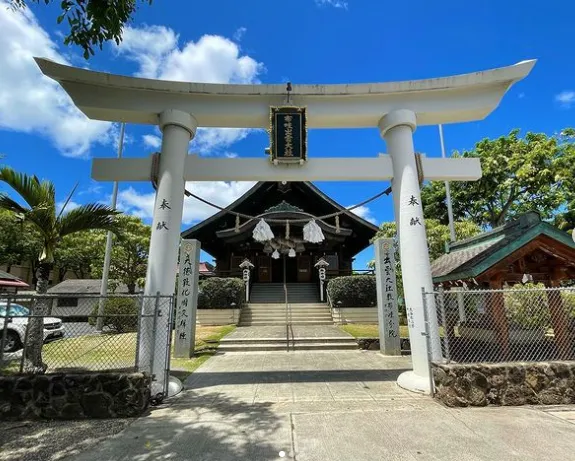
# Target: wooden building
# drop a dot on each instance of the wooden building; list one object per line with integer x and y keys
{"x": 524, "y": 250}
{"x": 229, "y": 239}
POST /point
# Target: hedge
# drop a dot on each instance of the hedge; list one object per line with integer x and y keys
{"x": 353, "y": 291}
{"x": 120, "y": 315}
{"x": 221, "y": 293}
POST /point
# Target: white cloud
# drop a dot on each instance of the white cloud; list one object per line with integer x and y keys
{"x": 230, "y": 155}
{"x": 335, "y": 3}
{"x": 211, "y": 59}
{"x": 151, "y": 140}
{"x": 219, "y": 192}
{"x": 32, "y": 103}
{"x": 208, "y": 140}
{"x": 71, "y": 205}
{"x": 521, "y": 95}
{"x": 239, "y": 33}
{"x": 365, "y": 213}
{"x": 566, "y": 98}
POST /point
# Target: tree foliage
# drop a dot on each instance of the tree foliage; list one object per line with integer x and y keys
{"x": 129, "y": 258}
{"x": 19, "y": 242}
{"x": 437, "y": 234}
{"x": 533, "y": 173}
{"x": 91, "y": 23}
{"x": 80, "y": 252}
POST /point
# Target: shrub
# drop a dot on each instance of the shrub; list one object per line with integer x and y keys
{"x": 527, "y": 309}
{"x": 120, "y": 315}
{"x": 353, "y": 291}
{"x": 221, "y": 293}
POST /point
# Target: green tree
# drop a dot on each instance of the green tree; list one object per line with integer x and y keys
{"x": 78, "y": 253}
{"x": 519, "y": 175}
{"x": 129, "y": 259}
{"x": 91, "y": 23}
{"x": 565, "y": 218}
{"x": 437, "y": 234}
{"x": 19, "y": 242}
{"x": 39, "y": 209}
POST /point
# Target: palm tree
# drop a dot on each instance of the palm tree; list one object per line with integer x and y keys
{"x": 40, "y": 211}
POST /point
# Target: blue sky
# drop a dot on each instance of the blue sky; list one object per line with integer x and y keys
{"x": 304, "y": 41}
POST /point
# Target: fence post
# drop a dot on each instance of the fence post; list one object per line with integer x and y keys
{"x": 169, "y": 345}
{"x": 154, "y": 328}
{"x": 33, "y": 300}
{"x": 446, "y": 326}
{"x": 139, "y": 332}
{"x": 4, "y": 331}
{"x": 427, "y": 335}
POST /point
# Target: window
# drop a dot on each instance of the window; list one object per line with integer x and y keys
{"x": 67, "y": 302}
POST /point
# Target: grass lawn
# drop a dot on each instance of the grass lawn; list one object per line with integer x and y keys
{"x": 207, "y": 341}
{"x": 118, "y": 351}
{"x": 359, "y": 330}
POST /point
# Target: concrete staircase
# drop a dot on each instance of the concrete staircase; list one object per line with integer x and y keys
{"x": 275, "y": 314}
{"x": 311, "y": 343}
{"x": 298, "y": 293}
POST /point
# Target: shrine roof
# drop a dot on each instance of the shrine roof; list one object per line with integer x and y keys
{"x": 471, "y": 257}
{"x": 289, "y": 200}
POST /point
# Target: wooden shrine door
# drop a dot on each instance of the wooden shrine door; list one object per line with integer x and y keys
{"x": 304, "y": 268}
{"x": 264, "y": 269}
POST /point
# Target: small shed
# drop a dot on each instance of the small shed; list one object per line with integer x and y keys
{"x": 78, "y": 297}
{"x": 526, "y": 249}
{"x": 11, "y": 284}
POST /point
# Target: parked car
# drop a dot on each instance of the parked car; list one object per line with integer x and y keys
{"x": 16, "y": 326}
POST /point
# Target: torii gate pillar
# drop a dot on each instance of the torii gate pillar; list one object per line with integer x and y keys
{"x": 397, "y": 129}
{"x": 178, "y": 129}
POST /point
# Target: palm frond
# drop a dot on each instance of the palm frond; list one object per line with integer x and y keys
{"x": 35, "y": 193}
{"x": 86, "y": 217}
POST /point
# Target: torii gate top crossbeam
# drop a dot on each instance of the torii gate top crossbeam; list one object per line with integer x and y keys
{"x": 459, "y": 98}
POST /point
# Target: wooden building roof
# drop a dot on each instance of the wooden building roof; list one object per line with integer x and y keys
{"x": 278, "y": 200}
{"x": 526, "y": 245}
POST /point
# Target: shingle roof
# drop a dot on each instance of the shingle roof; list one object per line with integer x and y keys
{"x": 471, "y": 257}
{"x": 83, "y": 286}
{"x": 7, "y": 279}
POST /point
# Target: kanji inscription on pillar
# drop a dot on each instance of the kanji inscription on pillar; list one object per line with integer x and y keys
{"x": 389, "y": 342}
{"x": 187, "y": 298}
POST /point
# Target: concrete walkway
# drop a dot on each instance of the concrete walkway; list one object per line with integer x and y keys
{"x": 340, "y": 406}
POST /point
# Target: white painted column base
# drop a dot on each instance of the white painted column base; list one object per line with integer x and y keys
{"x": 408, "y": 380}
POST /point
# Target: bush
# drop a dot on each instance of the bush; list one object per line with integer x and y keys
{"x": 120, "y": 315}
{"x": 353, "y": 291}
{"x": 221, "y": 293}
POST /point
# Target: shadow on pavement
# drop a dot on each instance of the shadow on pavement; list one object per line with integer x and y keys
{"x": 207, "y": 379}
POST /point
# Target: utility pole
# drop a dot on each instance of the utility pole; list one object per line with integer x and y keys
{"x": 109, "y": 238}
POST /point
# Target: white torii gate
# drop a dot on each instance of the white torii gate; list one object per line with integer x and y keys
{"x": 396, "y": 108}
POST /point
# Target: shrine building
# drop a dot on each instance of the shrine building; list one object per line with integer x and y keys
{"x": 287, "y": 207}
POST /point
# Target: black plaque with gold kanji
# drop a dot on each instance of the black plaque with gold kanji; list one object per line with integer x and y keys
{"x": 288, "y": 134}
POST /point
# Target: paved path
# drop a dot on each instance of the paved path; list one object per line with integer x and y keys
{"x": 340, "y": 406}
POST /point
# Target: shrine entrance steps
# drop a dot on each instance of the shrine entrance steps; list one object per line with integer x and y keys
{"x": 298, "y": 293}
{"x": 287, "y": 338}
{"x": 278, "y": 314}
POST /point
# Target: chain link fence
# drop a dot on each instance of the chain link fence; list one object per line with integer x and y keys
{"x": 78, "y": 333}
{"x": 517, "y": 324}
